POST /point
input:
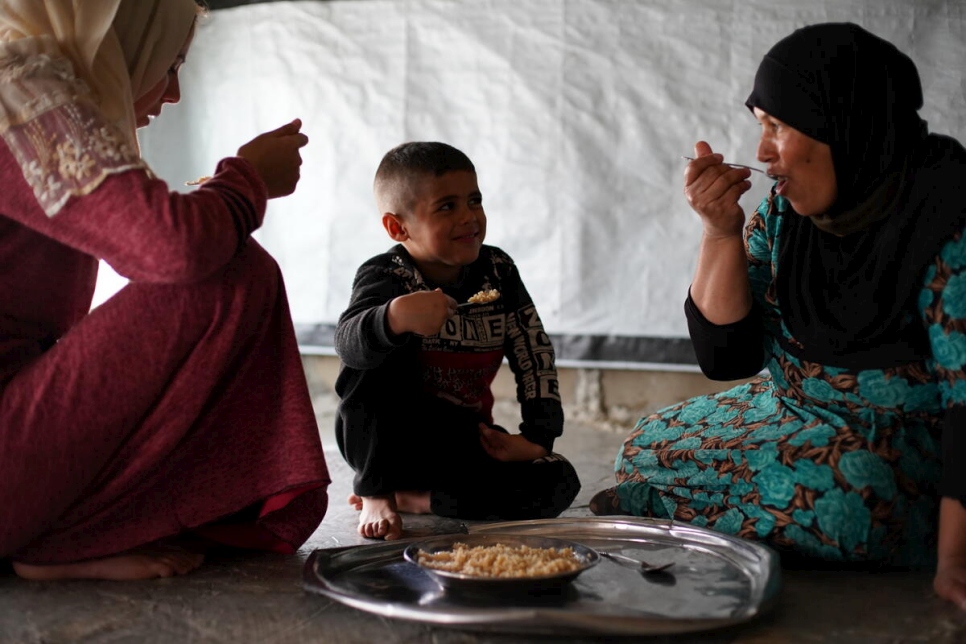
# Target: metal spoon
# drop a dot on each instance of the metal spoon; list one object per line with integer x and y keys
{"x": 733, "y": 165}
{"x": 643, "y": 566}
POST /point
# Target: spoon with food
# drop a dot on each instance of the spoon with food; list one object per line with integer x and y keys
{"x": 483, "y": 297}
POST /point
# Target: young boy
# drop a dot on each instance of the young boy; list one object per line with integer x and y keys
{"x": 415, "y": 418}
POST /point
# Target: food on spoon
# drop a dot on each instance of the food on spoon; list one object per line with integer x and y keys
{"x": 197, "y": 182}
{"x": 484, "y": 296}
{"x": 501, "y": 560}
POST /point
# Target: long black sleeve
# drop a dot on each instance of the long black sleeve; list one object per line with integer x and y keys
{"x": 726, "y": 351}
{"x": 362, "y": 337}
{"x": 532, "y": 359}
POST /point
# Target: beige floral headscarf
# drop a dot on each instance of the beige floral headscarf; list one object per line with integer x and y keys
{"x": 70, "y": 71}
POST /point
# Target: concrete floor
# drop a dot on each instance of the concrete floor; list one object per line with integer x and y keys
{"x": 239, "y": 598}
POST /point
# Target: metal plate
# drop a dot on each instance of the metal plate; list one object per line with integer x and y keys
{"x": 717, "y": 581}
{"x": 459, "y": 582}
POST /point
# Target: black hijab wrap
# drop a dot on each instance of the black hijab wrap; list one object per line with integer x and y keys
{"x": 848, "y": 280}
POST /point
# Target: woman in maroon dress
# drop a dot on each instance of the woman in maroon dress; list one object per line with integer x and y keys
{"x": 177, "y": 412}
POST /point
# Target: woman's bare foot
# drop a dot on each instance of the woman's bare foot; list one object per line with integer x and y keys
{"x": 147, "y": 562}
{"x": 379, "y": 518}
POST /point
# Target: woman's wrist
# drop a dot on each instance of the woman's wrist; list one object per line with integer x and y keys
{"x": 717, "y": 235}
{"x": 720, "y": 288}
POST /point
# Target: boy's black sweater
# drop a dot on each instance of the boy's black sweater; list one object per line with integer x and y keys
{"x": 381, "y": 370}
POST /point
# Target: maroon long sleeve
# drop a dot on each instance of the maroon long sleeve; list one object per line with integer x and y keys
{"x": 48, "y": 265}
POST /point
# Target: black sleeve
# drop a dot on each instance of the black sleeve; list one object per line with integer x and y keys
{"x": 532, "y": 360}
{"x": 726, "y": 351}
{"x": 363, "y": 339}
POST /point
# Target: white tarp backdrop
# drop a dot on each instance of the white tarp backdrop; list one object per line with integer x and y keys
{"x": 575, "y": 112}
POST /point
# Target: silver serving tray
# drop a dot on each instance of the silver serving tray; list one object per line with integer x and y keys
{"x": 717, "y": 581}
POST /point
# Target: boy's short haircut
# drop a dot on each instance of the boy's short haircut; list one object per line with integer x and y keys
{"x": 393, "y": 184}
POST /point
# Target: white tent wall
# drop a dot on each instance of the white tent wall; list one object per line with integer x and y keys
{"x": 575, "y": 112}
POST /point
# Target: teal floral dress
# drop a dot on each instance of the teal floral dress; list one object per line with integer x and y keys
{"x": 821, "y": 461}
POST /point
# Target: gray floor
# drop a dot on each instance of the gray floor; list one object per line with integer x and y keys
{"x": 259, "y": 598}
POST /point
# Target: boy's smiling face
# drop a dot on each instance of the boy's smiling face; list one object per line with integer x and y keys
{"x": 446, "y": 226}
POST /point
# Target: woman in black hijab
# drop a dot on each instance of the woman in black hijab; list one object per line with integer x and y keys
{"x": 848, "y": 284}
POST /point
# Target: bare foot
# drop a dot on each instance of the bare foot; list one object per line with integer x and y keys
{"x": 606, "y": 502}
{"x": 379, "y": 518}
{"x": 148, "y": 562}
{"x": 413, "y": 501}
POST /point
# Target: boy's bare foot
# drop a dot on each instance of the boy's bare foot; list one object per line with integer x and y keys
{"x": 379, "y": 518}
{"x": 147, "y": 562}
{"x": 413, "y": 501}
